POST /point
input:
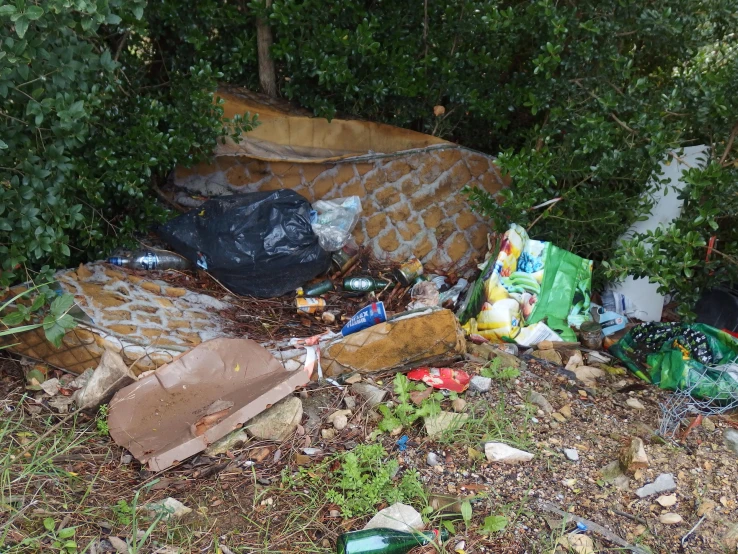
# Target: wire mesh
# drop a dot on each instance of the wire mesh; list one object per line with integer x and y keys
{"x": 683, "y": 403}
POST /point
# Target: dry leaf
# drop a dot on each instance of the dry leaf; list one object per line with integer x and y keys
{"x": 439, "y": 110}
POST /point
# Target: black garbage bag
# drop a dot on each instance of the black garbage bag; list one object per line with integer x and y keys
{"x": 259, "y": 244}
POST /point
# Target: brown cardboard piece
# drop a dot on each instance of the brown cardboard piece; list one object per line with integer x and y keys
{"x": 409, "y": 340}
{"x": 200, "y": 397}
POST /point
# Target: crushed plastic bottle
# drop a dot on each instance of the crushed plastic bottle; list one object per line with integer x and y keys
{"x": 151, "y": 259}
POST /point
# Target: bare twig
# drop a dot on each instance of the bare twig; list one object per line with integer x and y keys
{"x": 631, "y": 516}
{"x": 729, "y": 145}
{"x": 692, "y": 530}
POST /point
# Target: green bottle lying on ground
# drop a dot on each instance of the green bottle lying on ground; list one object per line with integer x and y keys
{"x": 385, "y": 541}
{"x": 365, "y": 284}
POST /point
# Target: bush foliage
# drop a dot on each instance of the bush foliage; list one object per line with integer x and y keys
{"x": 581, "y": 101}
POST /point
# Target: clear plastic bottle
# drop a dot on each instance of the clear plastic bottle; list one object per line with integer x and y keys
{"x": 151, "y": 259}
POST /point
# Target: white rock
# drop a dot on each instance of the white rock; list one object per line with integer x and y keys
{"x": 635, "y": 404}
{"x": 541, "y": 401}
{"x": 432, "y": 459}
{"x": 730, "y": 436}
{"x": 350, "y": 402}
{"x": 171, "y": 507}
{"x": 111, "y": 375}
{"x": 373, "y": 395}
{"x": 663, "y": 483}
{"x": 572, "y": 454}
{"x": 667, "y": 500}
{"x": 499, "y": 452}
{"x": 437, "y": 424}
{"x": 328, "y": 434}
{"x": 229, "y": 442}
{"x": 480, "y": 384}
{"x": 118, "y": 544}
{"x": 400, "y": 517}
{"x": 339, "y": 419}
{"x": 278, "y": 422}
{"x": 670, "y": 518}
{"x": 578, "y": 543}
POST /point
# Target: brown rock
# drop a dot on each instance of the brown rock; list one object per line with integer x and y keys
{"x": 387, "y": 196}
{"x": 466, "y": 219}
{"x": 151, "y": 287}
{"x": 389, "y": 242}
{"x": 399, "y": 213}
{"x": 322, "y": 185}
{"x": 344, "y": 173}
{"x": 174, "y": 291}
{"x": 634, "y": 456}
{"x": 457, "y": 247}
{"x": 477, "y": 163}
{"x": 448, "y": 157}
{"x": 376, "y": 224}
{"x": 374, "y": 180}
{"x": 354, "y": 188}
{"x": 396, "y": 169}
{"x": 425, "y": 246}
{"x": 432, "y": 216}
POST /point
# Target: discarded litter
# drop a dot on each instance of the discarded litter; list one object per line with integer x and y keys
{"x": 364, "y": 318}
{"x": 591, "y": 335}
{"x": 151, "y": 259}
{"x": 399, "y": 517}
{"x": 365, "y": 284}
{"x": 611, "y": 322}
{"x": 385, "y": 541}
{"x": 316, "y": 289}
{"x": 310, "y": 305}
{"x": 445, "y": 378}
{"x": 424, "y": 294}
{"x": 186, "y": 405}
{"x": 333, "y": 221}
{"x": 245, "y": 240}
{"x": 408, "y": 272}
{"x": 529, "y": 281}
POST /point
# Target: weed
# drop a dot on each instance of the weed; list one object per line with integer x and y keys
{"x": 494, "y": 524}
{"x": 102, "y": 420}
{"x": 494, "y": 371}
{"x": 364, "y": 478}
{"x": 406, "y": 413}
{"x": 123, "y": 512}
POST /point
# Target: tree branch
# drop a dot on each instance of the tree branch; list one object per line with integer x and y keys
{"x": 729, "y": 146}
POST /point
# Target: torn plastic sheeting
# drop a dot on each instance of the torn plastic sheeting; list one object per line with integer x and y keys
{"x": 200, "y": 397}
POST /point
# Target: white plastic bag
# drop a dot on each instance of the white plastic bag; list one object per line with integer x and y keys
{"x": 334, "y": 220}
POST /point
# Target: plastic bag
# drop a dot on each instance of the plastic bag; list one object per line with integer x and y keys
{"x": 333, "y": 221}
{"x": 682, "y": 356}
{"x": 259, "y": 244}
{"x": 529, "y": 281}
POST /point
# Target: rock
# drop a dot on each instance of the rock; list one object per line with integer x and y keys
{"x": 571, "y": 454}
{"x": 499, "y": 452}
{"x": 635, "y": 404}
{"x": 663, "y": 483}
{"x": 536, "y": 398}
{"x": 328, "y": 434}
{"x": 349, "y": 402}
{"x": 432, "y": 459}
{"x": 670, "y": 518}
{"x": 111, "y": 375}
{"x": 480, "y": 384}
{"x": 667, "y": 501}
{"x": 61, "y": 403}
{"x": 565, "y": 411}
{"x": 233, "y": 440}
{"x": 730, "y": 436}
{"x": 549, "y": 355}
{"x": 339, "y": 419}
{"x": 437, "y": 424}
{"x": 373, "y": 395}
{"x": 612, "y": 473}
{"x": 558, "y": 417}
{"x": 634, "y": 456}
{"x": 578, "y": 543}
{"x": 730, "y": 538}
{"x": 118, "y": 544}
{"x": 426, "y": 338}
{"x": 126, "y": 459}
{"x": 170, "y": 506}
{"x": 50, "y": 386}
{"x": 278, "y": 422}
{"x": 328, "y": 318}
{"x": 588, "y": 374}
{"x": 489, "y": 352}
{"x": 708, "y": 424}
{"x": 400, "y": 517}
{"x": 458, "y": 405}
{"x": 353, "y": 379}
{"x": 647, "y": 433}
{"x": 706, "y": 508}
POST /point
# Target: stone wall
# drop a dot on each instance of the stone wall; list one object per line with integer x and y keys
{"x": 412, "y": 200}
{"x": 147, "y": 321}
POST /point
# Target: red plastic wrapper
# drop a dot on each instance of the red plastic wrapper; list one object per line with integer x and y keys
{"x": 455, "y": 380}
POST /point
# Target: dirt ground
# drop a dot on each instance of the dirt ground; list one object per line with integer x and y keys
{"x": 62, "y": 472}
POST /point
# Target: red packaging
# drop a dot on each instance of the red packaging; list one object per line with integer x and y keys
{"x": 455, "y": 380}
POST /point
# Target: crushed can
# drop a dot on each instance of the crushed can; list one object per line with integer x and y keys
{"x": 364, "y": 318}
{"x": 408, "y": 272}
{"x": 310, "y": 305}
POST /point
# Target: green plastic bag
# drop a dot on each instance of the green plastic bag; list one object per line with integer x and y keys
{"x": 679, "y": 356}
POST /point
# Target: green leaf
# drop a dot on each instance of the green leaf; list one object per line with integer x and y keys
{"x": 61, "y": 305}
{"x": 138, "y": 12}
{"x": 112, "y": 19}
{"x": 3, "y": 145}
{"x": 55, "y": 329}
{"x": 494, "y": 524}
{"x": 49, "y": 524}
{"x": 449, "y": 526}
{"x": 39, "y": 301}
{"x": 67, "y": 532}
{"x": 6, "y": 10}
{"x": 13, "y": 319}
{"x": 466, "y": 511}
{"x": 21, "y": 26}
{"x": 34, "y": 12}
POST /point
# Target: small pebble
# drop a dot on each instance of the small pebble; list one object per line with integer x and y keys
{"x": 572, "y": 454}
{"x": 432, "y": 459}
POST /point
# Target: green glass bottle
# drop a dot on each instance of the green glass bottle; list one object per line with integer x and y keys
{"x": 365, "y": 284}
{"x": 384, "y": 541}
